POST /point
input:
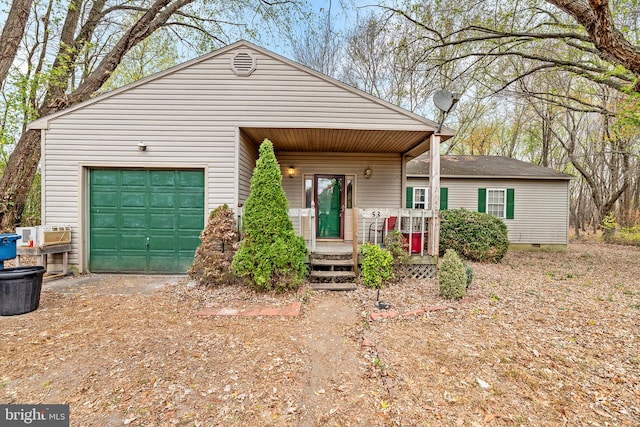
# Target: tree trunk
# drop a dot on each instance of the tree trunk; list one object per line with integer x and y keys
{"x": 12, "y": 35}
{"x": 17, "y": 178}
{"x": 23, "y": 162}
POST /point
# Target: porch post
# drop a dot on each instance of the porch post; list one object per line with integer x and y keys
{"x": 355, "y": 240}
{"x": 434, "y": 195}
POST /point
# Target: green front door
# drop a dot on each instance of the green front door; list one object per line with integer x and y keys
{"x": 145, "y": 221}
{"x": 329, "y": 205}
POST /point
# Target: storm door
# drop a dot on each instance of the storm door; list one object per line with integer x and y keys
{"x": 329, "y": 195}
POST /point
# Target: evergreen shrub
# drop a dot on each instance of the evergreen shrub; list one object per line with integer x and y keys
{"x": 474, "y": 235}
{"x": 452, "y": 276}
{"x": 271, "y": 257}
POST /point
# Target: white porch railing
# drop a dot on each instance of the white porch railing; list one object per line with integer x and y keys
{"x": 304, "y": 223}
{"x": 372, "y": 226}
{"x": 413, "y": 224}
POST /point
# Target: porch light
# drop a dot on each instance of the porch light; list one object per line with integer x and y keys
{"x": 367, "y": 172}
{"x": 142, "y": 146}
{"x": 292, "y": 171}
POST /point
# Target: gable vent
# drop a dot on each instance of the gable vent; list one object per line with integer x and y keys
{"x": 243, "y": 64}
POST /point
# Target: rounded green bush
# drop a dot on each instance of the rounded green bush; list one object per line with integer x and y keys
{"x": 452, "y": 276}
{"x": 377, "y": 265}
{"x": 474, "y": 235}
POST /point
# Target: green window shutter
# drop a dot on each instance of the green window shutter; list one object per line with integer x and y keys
{"x": 482, "y": 200}
{"x": 444, "y": 198}
{"x": 409, "y": 198}
{"x": 510, "y": 197}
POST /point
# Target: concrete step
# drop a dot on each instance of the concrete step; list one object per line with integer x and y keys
{"x": 333, "y": 286}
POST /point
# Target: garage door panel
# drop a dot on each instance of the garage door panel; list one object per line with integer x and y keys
{"x": 133, "y": 263}
{"x": 163, "y": 200}
{"x": 190, "y": 222}
{"x": 162, "y": 222}
{"x": 191, "y": 200}
{"x": 104, "y": 199}
{"x": 134, "y": 178}
{"x": 163, "y": 179}
{"x": 103, "y": 261}
{"x": 164, "y": 264}
{"x": 134, "y": 221}
{"x": 133, "y": 200}
{"x": 133, "y": 241}
{"x": 103, "y": 178}
{"x": 106, "y": 220}
{"x": 107, "y": 241}
{"x": 194, "y": 179}
{"x": 163, "y": 244}
{"x": 186, "y": 243}
{"x": 137, "y": 223}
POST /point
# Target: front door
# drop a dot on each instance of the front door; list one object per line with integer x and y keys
{"x": 329, "y": 197}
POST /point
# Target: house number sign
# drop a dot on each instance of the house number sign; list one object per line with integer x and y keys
{"x": 375, "y": 213}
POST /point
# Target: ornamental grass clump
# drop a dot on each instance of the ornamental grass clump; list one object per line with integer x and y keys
{"x": 219, "y": 242}
{"x": 271, "y": 257}
{"x": 452, "y": 276}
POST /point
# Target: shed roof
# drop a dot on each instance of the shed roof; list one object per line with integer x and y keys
{"x": 484, "y": 167}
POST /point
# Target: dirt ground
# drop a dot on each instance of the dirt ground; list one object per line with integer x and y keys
{"x": 543, "y": 339}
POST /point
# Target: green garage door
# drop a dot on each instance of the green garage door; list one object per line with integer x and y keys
{"x": 145, "y": 221}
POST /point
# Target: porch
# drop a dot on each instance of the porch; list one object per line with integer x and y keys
{"x": 371, "y": 225}
{"x": 337, "y": 261}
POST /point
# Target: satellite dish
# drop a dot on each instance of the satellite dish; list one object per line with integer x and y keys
{"x": 445, "y": 100}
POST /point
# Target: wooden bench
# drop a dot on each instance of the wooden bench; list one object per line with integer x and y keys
{"x": 42, "y": 253}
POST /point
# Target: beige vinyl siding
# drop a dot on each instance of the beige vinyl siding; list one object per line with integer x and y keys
{"x": 190, "y": 117}
{"x": 382, "y": 190}
{"x": 541, "y": 207}
{"x": 247, "y": 162}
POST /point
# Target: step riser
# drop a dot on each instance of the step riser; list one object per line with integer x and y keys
{"x": 331, "y": 268}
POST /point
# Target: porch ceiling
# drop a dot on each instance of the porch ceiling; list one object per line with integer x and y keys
{"x": 339, "y": 140}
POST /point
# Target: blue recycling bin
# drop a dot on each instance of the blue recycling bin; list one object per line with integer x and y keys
{"x": 7, "y": 247}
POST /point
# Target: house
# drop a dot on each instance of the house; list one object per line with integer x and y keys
{"x": 532, "y": 200}
{"x": 136, "y": 171}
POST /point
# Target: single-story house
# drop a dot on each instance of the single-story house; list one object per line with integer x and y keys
{"x": 532, "y": 200}
{"x": 136, "y": 171}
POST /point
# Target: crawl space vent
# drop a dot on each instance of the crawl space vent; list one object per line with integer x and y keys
{"x": 243, "y": 63}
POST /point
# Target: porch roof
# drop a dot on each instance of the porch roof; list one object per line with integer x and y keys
{"x": 410, "y": 142}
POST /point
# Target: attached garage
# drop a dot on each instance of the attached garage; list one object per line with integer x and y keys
{"x": 135, "y": 171}
{"x": 144, "y": 220}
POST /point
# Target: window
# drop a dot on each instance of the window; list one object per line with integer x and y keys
{"x": 420, "y": 198}
{"x": 349, "y": 196}
{"x": 496, "y": 202}
{"x": 308, "y": 191}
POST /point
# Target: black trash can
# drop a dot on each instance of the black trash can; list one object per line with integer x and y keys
{"x": 20, "y": 289}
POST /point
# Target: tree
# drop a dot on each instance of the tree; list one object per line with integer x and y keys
{"x": 92, "y": 40}
{"x": 12, "y": 34}
{"x": 271, "y": 256}
{"x": 566, "y": 76}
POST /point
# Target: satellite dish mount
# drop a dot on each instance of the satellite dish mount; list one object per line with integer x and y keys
{"x": 445, "y": 101}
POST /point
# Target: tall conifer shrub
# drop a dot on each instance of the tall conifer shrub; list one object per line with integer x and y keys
{"x": 271, "y": 256}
